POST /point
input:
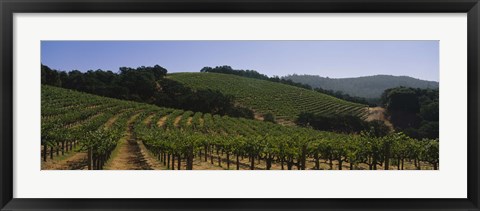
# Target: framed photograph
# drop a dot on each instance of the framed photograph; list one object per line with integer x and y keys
{"x": 229, "y": 105}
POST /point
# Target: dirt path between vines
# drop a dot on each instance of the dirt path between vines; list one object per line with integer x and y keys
{"x": 161, "y": 121}
{"x": 177, "y": 120}
{"x": 148, "y": 120}
{"x": 128, "y": 154}
{"x": 112, "y": 120}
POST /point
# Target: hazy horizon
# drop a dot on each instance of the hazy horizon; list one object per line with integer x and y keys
{"x": 333, "y": 59}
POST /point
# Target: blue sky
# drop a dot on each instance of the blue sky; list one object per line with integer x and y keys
{"x": 335, "y": 59}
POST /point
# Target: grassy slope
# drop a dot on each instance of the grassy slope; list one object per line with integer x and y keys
{"x": 284, "y": 101}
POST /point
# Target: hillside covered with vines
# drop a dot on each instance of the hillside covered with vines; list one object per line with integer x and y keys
{"x": 85, "y": 131}
{"x": 284, "y": 101}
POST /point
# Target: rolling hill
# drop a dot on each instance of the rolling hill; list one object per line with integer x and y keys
{"x": 85, "y": 131}
{"x": 119, "y": 134}
{"x": 284, "y": 101}
{"x": 367, "y": 87}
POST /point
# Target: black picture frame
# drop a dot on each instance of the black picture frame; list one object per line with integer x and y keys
{"x": 10, "y": 7}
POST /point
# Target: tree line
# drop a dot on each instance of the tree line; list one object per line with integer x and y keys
{"x": 413, "y": 111}
{"x": 147, "y": 85}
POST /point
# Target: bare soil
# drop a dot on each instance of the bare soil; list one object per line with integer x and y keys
{"x": 161, "y": 121}
{"x": 258, "y": 116}
{"x": 112, "y": 120}
{"x": 151, "y": 161}
{"x": 76, "y": 161}
{"x": 128, "y": 155}
{"x": 177, "y": 120}
{"x": 148, "y": 120}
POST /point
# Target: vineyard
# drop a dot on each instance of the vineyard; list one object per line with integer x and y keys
{"x": 83, "y": 131}
{"x": 284, "y": 101}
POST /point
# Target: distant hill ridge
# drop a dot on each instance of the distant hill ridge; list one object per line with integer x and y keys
{"x": 366, "y": 86}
